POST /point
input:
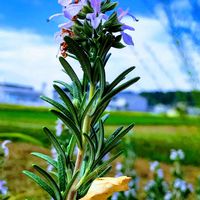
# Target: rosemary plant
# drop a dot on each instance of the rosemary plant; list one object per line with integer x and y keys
{"x": 92, "y": 28}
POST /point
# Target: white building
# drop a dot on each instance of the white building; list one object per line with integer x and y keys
{"x": 18, "y": 94}
{"x": 128, "y": 100}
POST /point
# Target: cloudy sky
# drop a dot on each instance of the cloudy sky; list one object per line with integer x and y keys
{"x": 28, "y": 50}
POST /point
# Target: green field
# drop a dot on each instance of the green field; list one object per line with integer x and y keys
{"x": 152, "y": 138}
{"x": 154, "y": 135}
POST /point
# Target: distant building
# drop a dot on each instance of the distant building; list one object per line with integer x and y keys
{"x": 193, "y": 111}
{"x": 128, "y": 100}
{"x": 160, "y": 108}
{"x": 18, "y": 94}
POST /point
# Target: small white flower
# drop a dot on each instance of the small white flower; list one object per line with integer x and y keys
{"x": 173, "y": 154}
{"x": 149, "y": 185}
{"x": 177, "y": 183}
{"x": 181, "y": 154}
{"x": 154, "y": 165}
{"x": 106, "y": 157}
{"x": 54, "y": 153}
{"x": 127, "y": 193}
{"x": 5, "y": 148}
{"x": 190, "y": 187}
{"x": 115, "y": 196}
{"x": 168, "y": 196}
{"x": 49, "y": 168}
{"x": 59, "y": 127}
{"x": 177, "y": 155}
{"x": 131, "y": 183}
{"x": 133, "y": 193}
{"x": 119, "y": 174}
{"x": 183, "y": 186}
{"x": 76, "y": 151}
{"x": 160, "y": 173}
{"x": 118, "y": 166}
{"x": 3, "y": 188}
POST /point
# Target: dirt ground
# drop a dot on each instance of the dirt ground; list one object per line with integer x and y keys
{"x": 22, "y": 188}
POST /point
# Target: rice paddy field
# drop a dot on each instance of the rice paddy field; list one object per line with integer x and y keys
{"x": 152, "y": 139}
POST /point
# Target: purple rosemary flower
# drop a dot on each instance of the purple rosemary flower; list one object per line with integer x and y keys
{"x": 5, "y": 148}
{"x": 3, "y": 188}
{"x": 70, "y": 9}
{"x": 97, "y": 16}
{"x": 126, "y": 37}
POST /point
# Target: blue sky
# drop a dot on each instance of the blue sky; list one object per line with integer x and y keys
{"x": 32, "y": 15}
{"x": 28, "y": 50}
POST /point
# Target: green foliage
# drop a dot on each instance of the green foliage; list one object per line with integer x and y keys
{"x": 168, "y": 98}
{"x": 17, "y": 119}
{"x": 20, "y": 137}
{"x": 125, "y": 118}
{"x": 157, "y": 145}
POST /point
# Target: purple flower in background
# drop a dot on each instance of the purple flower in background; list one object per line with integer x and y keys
{"x": 3, "y": 188}
{"x": 76, "y": 151}
{"x": 106, "y": 157}
{"x": 126, "y": 37}
{"x": 118, "y": 166}
{"x": 96, "y": 17}
{"x": 154, "y": 166}
{"x": 149, "y": 185}
{"x": 177, "y": 154}
{"x": 59, "y": 127}
{"x": 115, "y": 196}
{"x": 54, "y": 155}
{"x": 5, "y": 148}
{"x": 160, "y": 173}
{"x": 168, "y": 196}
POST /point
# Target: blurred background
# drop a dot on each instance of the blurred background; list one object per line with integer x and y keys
{"x": 164, "y": 104}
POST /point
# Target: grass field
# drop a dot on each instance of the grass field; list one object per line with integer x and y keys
{"x": 152, "y": 138}
{"x": 154, "y": 135}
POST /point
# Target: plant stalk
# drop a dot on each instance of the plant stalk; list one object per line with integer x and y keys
{"x": 80, "y": 156}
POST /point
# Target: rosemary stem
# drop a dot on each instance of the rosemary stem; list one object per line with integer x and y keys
{"x": 80, "y": 156}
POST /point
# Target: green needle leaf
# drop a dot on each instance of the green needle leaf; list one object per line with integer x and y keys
{"x": 50, "y": 180}
{"x": 121, "y": 77}
{"x": 61, "y": 173}
{"x": 57, "y": 105}
{"x": 66, "y": 120}
{"x": 106, "y": 99}
{"x": 67, "y": 101}
{"x": 92, "y": 151}
{"x": 41, "y": 183}
{"x": 55, "y": 143}
{"x": 69, "y": 70}
{"x": 81, "y": 56}
{"x": 69, "y": 185}
{"x": 101, "y": 138}
{"x": 46, "y": 158}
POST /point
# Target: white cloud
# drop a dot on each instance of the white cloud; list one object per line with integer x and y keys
{"x": 152, "y": 70}
{"x": 29, "y": 58}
